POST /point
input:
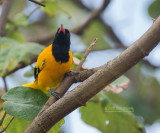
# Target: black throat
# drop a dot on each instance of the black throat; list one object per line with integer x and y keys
{"x": 60, "y": 52}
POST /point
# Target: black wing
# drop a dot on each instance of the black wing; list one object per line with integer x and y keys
{"x": 36, "y": 72}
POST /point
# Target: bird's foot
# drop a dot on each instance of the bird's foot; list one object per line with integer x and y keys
{"x": 71, "y": 73}
{"x": 55, "y": 94}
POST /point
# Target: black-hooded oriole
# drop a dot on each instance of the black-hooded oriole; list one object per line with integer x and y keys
{"x": 53, "y": 62}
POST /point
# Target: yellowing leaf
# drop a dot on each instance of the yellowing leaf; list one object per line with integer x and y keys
{"x": 118, "y": 85}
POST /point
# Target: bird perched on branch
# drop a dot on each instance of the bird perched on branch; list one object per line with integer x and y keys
{"x": 53, "y": 62}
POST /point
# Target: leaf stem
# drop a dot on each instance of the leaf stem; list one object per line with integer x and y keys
{"x": 32, "y": 12}
{"x": 86, "y": 54}
{"x": 1, "y": 121}
{"x": 7, "y": 125}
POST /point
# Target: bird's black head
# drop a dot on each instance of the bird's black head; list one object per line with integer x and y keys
{"x": 61, "y": 45}
{"x": 62, "y": 37}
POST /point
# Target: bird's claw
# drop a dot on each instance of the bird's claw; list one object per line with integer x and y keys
{"x": 55, "y": 94}
{"x": 71, "y": 73}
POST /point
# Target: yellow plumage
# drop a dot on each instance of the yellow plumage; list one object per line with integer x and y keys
{"x": 51, "y": 72}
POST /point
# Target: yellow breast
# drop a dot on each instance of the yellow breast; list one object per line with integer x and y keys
{"x": 52, "y": 72}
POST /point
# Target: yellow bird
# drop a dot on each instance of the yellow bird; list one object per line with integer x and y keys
{"x": 53, "y": 62}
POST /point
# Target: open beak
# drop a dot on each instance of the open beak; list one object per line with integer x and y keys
{"x": 61, "y": 29}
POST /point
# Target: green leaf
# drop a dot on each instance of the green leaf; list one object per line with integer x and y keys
{"x": 95, "y": 30}
{"x": 20, "y": 19}
{"x": 16, "y": 126}
{"x": 51, "y": 7}
{"x": 24, "y": 102}
{"x": 154, "y": 9}
{"x": 17, "y": 35}
{"x": 13, "y": 52}
{"x": 57, "y": 126}
{"x": 110, "y": 118}
{"x": 6, "y": 42}
{"x": 78, "y": 55}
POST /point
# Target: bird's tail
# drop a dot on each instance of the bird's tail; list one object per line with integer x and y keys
{"x": 32, "y": 85}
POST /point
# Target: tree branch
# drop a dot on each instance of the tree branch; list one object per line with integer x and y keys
{"x": 95, "y": 83}
{"x": 6, "y": 6}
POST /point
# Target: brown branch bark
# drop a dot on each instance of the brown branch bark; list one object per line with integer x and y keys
{"x": 95, "y": 83}
{"x": 3, "y": 19}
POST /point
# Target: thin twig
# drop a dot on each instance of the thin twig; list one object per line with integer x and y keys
{"x": 7, "y": 125}
{"x": 77, "y": 61}
{"x": 32, "y": 12}
{"x": 86, "y": 54}
{"x": 1, "y": 121}
{"x": 39, "y": 3}
{"x": 5, "y": 84}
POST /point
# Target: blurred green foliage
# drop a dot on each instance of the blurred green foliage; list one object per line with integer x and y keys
{"x": 13, "y": 52}
{"x": 107, "y": 116}
{"x": 96, "y": 29}
{"x": 154, "y": 9}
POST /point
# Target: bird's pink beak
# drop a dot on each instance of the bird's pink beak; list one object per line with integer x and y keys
{"x": 61, "y": 29}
